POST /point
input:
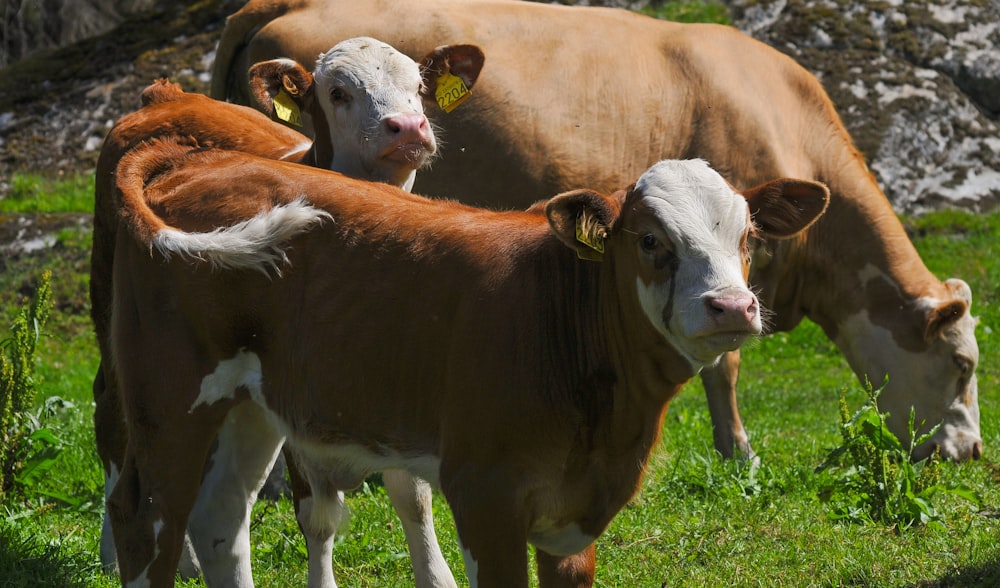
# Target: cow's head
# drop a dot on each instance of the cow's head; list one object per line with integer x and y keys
{"x": 924, "y": 349}
{"x": 682, "y": 237}
{"x": 363, "y": 104}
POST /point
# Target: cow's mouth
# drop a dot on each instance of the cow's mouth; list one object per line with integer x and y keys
{"x": 705, "y": 349}
{"x": 727, "y": 340}
{"x": 408, "y": 154}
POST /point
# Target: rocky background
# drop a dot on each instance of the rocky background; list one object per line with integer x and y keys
{"x": 917, "y": 82}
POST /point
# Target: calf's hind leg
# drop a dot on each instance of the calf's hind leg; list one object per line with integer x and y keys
{"x": 152, "y": 498}
{"x": 219, "y": 524}
{"x": 112, "y": 437}
{"x": 411, "y": 497}
{"x": 318, "y": 516}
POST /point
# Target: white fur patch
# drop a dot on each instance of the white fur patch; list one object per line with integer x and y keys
{"x": 109, "y": 558}
{"x": 255, "y": 243}
{"x": 565, "y": 540}
{"x": 242, "y": 370}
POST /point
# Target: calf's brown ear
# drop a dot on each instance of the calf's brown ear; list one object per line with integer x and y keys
{"x": 282, "y": 87}
{"x": 785, "y": 207}
{"x": 462, "y": 61}
{"x": 581, "y": 219}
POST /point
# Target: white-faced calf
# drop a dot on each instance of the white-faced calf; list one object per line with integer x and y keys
{"x": 520, "y": 361}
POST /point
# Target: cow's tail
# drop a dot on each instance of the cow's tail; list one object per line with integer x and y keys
{"x": 256, "y": 243}
{"x": 240, "y": 27}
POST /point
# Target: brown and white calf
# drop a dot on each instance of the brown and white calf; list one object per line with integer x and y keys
{"x": 558, "y": 111}
{"x": 483, "y": 351}
{"x": 385, "y": 102}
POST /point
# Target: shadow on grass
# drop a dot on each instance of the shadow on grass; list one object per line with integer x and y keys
{"x": 981, "y": 576}
{"x": 30, "y": 560}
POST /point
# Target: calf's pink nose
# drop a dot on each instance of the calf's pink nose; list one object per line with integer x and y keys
{"x": 731, "y": 308}
{"x": 407, "y": 128}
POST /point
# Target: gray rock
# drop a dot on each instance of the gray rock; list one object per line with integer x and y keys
{"x": 917, "y": 84}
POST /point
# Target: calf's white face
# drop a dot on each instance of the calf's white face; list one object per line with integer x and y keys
{"x": 370, "y": 96}
{"x": 691, "y": 236}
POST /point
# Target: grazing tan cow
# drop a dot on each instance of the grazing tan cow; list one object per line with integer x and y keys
{"x": 394, "y": 141}
{"x": 576, "y": 96}
{"x": 483, "y": 351}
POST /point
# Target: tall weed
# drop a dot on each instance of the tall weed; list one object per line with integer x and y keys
{"x": 28, "y": 449}
{"x": 875, "y": 479}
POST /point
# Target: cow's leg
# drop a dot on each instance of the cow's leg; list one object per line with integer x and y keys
{"x": 219, "y": 525}
{"x": 412, "y": 498}
{"x": 490, "y": 529}
{"x": 720, "y": 389}
{"x": 573, "y": 571}
{"x": 150, "y": 503}
{"x": 319, "y": 515}
{"x": 111, "y": 435}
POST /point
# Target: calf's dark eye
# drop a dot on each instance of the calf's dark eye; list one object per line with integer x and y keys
{"x": 648, "y": 243}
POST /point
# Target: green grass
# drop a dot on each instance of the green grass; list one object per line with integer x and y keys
{"x": 689, "y": 11}
{"x": 697, "y": 521}
{"x": 37, "y": 193}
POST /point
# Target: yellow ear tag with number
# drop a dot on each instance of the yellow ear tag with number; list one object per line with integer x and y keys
{"x": 590, "y": 239}
{"x": 286, "y": 109}
{"x": 451, "y": 92}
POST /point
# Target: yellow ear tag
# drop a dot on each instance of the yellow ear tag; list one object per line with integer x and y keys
{"x": 594, "y": 241}
{"x": 286, "y": 109}
{"x": 451, "y": 92}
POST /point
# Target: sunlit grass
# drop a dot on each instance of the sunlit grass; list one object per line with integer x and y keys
{"x": 697, "y": 520}
{"x": 36, "y": 193}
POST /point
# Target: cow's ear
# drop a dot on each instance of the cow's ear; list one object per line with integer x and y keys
{"x": 943, "y": 315}
{"x": 161, "y": 90}
{"x": 959, "y": 289}
{"x": 462, "y": 61}
{"x": 282, "y": 87}
{"x": 785, "y": 207}
{"x": 582, "y": 219}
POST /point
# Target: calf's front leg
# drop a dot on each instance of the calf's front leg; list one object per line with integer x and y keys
{"x": 491, "y": 529}
{"x": 568, "y": 571}
{"x": 151, "y": 500}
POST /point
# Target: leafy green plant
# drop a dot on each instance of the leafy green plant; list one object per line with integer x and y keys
{"x": 875, "y": 478}
{"x": 28, "y": 449}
